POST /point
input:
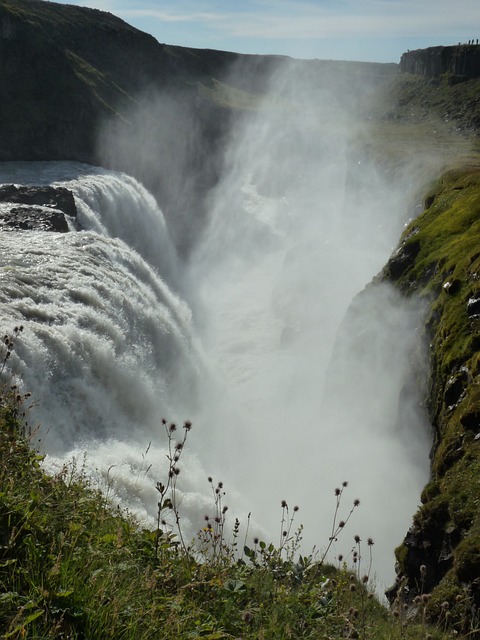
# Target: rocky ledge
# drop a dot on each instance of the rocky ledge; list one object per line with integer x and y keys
{"x": 41, "y": 208}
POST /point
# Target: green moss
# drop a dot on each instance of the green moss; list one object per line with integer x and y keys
{"x": 401, "y": 553}
{"x": 445, "y": 271}
{"x": 467, "y": 557}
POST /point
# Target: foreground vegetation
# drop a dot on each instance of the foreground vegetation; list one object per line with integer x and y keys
{"x": 73, "y": 566}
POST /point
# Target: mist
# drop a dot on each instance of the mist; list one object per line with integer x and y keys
{"x": 254, "y": 318}
{"x": 313, "y": 390}
{"x": 304, "y": 390}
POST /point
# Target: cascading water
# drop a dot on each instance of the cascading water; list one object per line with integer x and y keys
{"x": 110, "y": 347}
{"x": 107, "y": 345}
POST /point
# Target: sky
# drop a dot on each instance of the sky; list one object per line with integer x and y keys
{"x": 363, "y": 30}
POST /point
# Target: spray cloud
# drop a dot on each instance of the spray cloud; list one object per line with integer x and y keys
{"x": 303, "y": 390}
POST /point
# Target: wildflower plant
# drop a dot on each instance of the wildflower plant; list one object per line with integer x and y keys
{"x": 168, "y": 503}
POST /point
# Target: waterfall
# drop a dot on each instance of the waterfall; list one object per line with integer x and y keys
{"x": 106, "y": 340}
{"x": 111, "y": 344}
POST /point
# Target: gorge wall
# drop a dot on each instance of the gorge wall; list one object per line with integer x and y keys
{"x": 438, "y": 259}
{"x": 462, "y": 60}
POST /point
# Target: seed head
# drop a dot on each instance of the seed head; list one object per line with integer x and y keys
{"x": 370, "y": 542}
{"x": 284, "y": 504}
{"x": 337, "y": 491}
{"x": 356, "y": 502}
{"x": 357, "y": 539}
{"x": 247, "y": 617}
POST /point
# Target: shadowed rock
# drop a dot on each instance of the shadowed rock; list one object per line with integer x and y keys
{"x": 44, "y": 208}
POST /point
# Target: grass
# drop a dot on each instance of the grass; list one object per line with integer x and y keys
{"x": 74, "y": 566}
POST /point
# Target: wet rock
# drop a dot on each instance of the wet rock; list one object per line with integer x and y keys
{"x": 402, "y": 259}
{"x": 455, "y": 388}
{"x": 45, "y": 208}
{"x": 428, "y": 557}
{"x": 452, "y": 287}
{"x": 471, "y": 421}
{"x": 34, "y": 219}
{"x": 473, "y": 305}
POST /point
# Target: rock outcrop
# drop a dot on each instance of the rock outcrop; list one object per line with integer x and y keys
{"x": 37, "y": 208}
{"x": 462, "y": 61}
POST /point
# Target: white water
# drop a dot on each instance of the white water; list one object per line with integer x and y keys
{"x": 109, "y": 348}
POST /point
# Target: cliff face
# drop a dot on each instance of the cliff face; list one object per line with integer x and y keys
{"x": 461, "y": 60}
{"x": 439, "y": 260}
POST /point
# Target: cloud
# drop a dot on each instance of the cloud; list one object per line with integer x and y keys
{"x": 375, "y": 30}
{"x": 265, "y": 19}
